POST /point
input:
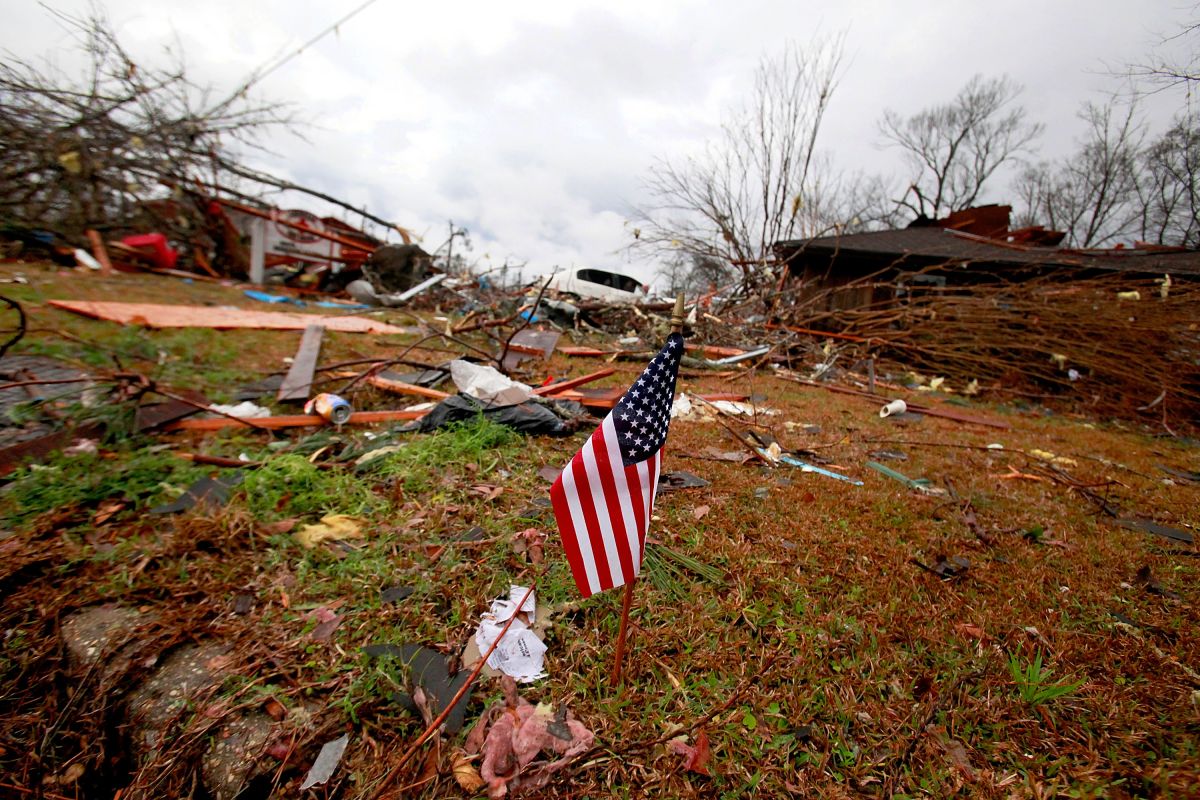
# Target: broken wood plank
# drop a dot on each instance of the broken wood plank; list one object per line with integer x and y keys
{"x": 562, "y": 386}
{"x": 297, "y": 384}
{"x": 592, "y": 398}
{"x": 99, "y": 252}
{"x": 712, "y": 350}
{"x": 572, "y": 350}
{"x": 152, "y": 415}
{"x": 526, "y": 343}
{"x": 396, "y": 387}
{"x": 155, "y": 315}
{"x": 293, "y": 420}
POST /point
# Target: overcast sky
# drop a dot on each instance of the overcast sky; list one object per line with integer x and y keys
{"x": 533, "y": 123}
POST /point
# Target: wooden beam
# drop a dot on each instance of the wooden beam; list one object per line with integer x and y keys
{"x": 100, "y": 252}
{"x": 293, "y": 421}
{"x": 297, "y": 384}
{"x": 157, "y": 315}
{"x": 571, "y": 383}
{"x": 400, "y": 387}
{"x": 396, "y": 387}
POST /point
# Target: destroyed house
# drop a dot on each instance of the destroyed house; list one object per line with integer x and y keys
{"x": 969, "y": 247}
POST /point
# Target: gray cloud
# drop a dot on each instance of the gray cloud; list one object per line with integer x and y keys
{"x": 533, "y": 124}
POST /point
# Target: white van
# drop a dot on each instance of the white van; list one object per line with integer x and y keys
{"x": 599, "y": 284}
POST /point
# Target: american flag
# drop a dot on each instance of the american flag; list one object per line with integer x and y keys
{"x": 603, "y": 499}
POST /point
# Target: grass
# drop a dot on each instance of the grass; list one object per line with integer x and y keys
{"x": 831, "y": 665}
{"x": 134, "y": 477}
{"x": 1033, "y": 681}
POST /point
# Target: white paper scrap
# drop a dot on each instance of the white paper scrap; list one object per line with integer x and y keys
{"x": 327, "y": 761}
{"x": 520, "y": 654}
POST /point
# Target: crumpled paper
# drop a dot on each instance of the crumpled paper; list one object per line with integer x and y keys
{"x": 520, "y": 653}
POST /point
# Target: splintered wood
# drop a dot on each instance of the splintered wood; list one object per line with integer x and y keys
{"x": 298, "y": 382}
{"x": 155, "y": 315}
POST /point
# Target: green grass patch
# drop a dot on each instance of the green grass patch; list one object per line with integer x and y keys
{"x": 140, "y": 478}
{"x": 291, "y": 486}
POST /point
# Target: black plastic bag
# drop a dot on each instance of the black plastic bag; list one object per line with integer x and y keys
{"x": 528, "y": 417}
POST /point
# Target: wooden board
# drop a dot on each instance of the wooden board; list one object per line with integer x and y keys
{"x": 395, "y": 386}
{"x": 592, "y": 398}
{"x": 555, "y": 388}
{"x": 155, "y": 315}
{"x": 713, "y": 351}
{"x": 573, "y": 350}
{"x": 291, "y": 421}
{"x": 298, "y": 382}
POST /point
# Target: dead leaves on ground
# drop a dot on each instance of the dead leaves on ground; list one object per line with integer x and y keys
{"x": 511, "y": 736}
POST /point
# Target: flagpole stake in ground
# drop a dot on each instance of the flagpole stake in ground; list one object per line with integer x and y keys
{"x": 627, "y": 601}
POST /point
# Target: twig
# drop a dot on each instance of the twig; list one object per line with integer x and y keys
{"x": 19, "y": 333}
{"x": 243, "y": 420}
{"x": 433, "y": 726}
{"x": 523, "y": 326}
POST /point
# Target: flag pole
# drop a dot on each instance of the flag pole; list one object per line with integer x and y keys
{"x": 627, "y": 601}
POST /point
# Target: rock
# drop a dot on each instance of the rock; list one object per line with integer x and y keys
{"x": 101, "y": 632}
{"x": 183, "y": 676}
{"x": 234, "y": 756}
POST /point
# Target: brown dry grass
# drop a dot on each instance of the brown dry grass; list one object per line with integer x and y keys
{"x": 837, "y": 667}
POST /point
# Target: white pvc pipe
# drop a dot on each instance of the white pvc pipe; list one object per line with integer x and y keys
{"x": 894, "y": 407}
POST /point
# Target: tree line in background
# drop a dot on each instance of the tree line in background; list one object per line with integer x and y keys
{"x": 124, "y": 146}
{"x": 714, "y": 216}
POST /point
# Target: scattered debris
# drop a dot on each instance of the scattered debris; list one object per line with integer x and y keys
{"x": 923, "y": 485}
{"x": 520, "y": 653}
{"x": 517, "y": 732}
{"x": 695, "y": 756}
{"x": 1149, "y": 526}
{"x": 211, "y": 491}
{"x": 428, "y": 673}
{"x": 327, "y": 762}
{"x": 394, "y": 594}
{"x": 330, "y": 407}
{"x": 534, "y": 418}
{"x": 297, "y": 384}
{"x": 243, "y": 410}
{"x": 331, "y": 528}
{"x": 678, "y": 479}
{"x": 488, "y": 384}
{"x": 947, "y": 568}
{"x": 1146, "y": 579}
{"x": 152, "y": 315}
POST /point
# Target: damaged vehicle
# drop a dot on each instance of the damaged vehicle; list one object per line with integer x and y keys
{"x": 589, "y": 283}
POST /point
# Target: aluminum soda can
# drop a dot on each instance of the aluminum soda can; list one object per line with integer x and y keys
{"x": 329, "y": 406}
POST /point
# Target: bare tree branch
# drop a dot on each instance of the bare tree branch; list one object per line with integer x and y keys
{"x": 1094, "y": 194}
{"x": 954, "y": 149}
{"x": 762, "y": 181}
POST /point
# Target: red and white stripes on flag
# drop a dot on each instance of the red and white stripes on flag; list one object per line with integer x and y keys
{"x": 603, "y": 499}
{"x": 603, "y": 510}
